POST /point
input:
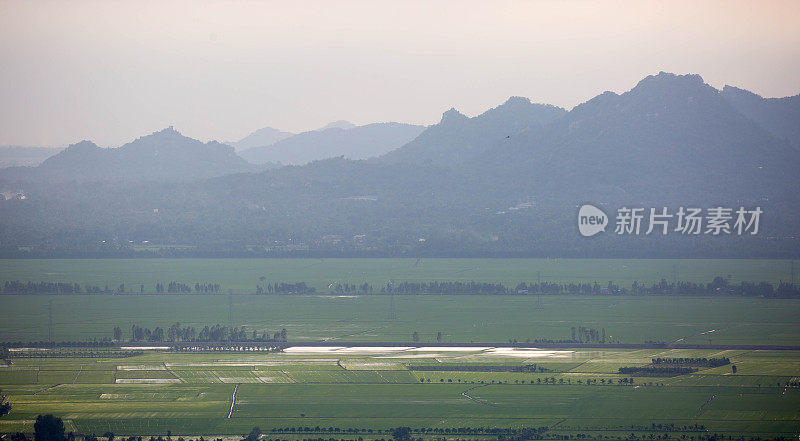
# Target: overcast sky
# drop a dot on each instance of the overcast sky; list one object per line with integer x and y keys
{"x": 112, "y": 71}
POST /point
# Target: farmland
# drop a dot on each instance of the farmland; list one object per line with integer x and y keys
{"x": 489, "y": 319}
{"x": 242, "y": 275}
{"x": 321, "y": 387}
{"x": 373, "y": 389}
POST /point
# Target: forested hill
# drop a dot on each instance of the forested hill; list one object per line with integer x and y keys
{"x": 670, "y": 141}
{"x": 457, "y": 139}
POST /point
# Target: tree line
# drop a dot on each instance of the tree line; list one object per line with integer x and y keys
{"x": 51, "y": 428}
{"x": 704, "y": 362}
{"x": 657, "y": 371}
{"x": 718, "y": 286}
{"x": 178, "y": 333}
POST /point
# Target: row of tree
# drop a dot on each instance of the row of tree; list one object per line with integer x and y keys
{"x": 704, "y": 362}
{"x": 74, "y": 354}
{"x": 178, "y": 333}
{"x": 719, "y": 286}
{"x": 583, "y": 334}
{"x": 657, "y": 371}
{"x": 286, "y": 288}
{"x": 548, "y": 380}
{"x": 17, "y": 287}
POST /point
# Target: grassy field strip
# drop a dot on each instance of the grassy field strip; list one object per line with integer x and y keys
{"x": 244, "y": 274}
{"x": 459, "y": 318}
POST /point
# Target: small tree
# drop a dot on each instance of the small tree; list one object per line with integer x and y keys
{"x": 5, "y": 407}
{"x": 254, "y": 434}
{"x": 401, "y": 433}
{"x": 733, "y": 368}
{"x": 48, "y": 428}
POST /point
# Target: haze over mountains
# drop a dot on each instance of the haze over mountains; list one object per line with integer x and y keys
{"x": 165, "y": 155}
{"x": 259, "y": 138}
{"x": 506, "y": 182}
{"x": 22, "y": 156}
{"x": 356, "y": 142}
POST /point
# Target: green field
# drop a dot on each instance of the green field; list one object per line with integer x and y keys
{"x": 242, "y": 275}
{"x": 480, "y": 319}
{"x": 357, "y": 388}
{"x": 376, "y": 391}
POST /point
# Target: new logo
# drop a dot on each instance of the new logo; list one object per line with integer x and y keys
{"x": 591, "y": 220}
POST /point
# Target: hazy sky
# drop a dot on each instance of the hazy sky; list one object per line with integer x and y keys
{"x": 112, "y": 71}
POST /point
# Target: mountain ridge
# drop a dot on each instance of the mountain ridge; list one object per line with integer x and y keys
{"x": 359, "y": 142}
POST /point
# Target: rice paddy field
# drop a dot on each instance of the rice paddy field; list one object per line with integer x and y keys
{"x": 374, "y": 389}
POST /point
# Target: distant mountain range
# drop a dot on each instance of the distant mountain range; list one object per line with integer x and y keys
{"x": 259, "y": 138}
{"x": 341, "y": 124}
{"x": 335, "y": 139}
{"x": 506, "y": 182}
{"x": 21, "y": 156}
{"x": 162, "y": 156}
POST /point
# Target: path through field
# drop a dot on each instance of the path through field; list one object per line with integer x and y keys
{"x": 233, "y": 399}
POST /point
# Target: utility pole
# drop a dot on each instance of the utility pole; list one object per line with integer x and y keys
{"x": 50, "y": 321}
{"x": 674, "y": 279}
{"x": 539, "y": 296}
{"x": 392, "y": 313}
{"x": 230, "y": 310}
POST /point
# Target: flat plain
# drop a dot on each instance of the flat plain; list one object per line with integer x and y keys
{"x": 460, "y": 318}
{"x": 362, "y": 392}
{"x": 191, "y": 394}
{"x": 242, "y": 275}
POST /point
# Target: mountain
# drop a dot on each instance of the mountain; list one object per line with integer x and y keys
{"x": 672, "y": 138}
{"x": 162, "y": 156}
{"x": 671, "y": 141}
{"x": 341, "y": 124}
{"x": 15, "y": 156}
{"x": 457, "y": 139}
{"x": 359, "y": 142}
{"x": 780, "y": 116}
{"x": 259, "y": 138}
